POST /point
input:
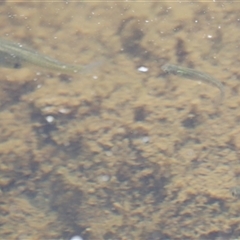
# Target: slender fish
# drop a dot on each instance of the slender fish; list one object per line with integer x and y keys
{"x": 193, "y": 75}
{"x": 236, "y": 191}
{"x": 15, "y": 55}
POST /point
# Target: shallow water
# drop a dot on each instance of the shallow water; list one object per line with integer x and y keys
{"x": 117, "y": 152}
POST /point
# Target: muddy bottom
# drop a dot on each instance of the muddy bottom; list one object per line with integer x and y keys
{"x": 122, "y": 150}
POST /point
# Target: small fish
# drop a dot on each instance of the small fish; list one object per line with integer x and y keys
{"x": 15, "y": 55}
{"x": 194, "y": 75}
{"x": 235, "y": 191}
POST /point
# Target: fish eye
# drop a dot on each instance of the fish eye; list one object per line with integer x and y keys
{"x": 17, "y": 65}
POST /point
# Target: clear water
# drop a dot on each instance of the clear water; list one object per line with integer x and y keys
{"x": 119, "y": 152}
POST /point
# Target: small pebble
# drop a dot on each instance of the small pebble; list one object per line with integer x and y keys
{"x": 145, "y": 139}
{"x": 104, "y": 178}
{"x": 142, "y": 69}
{"x": 49, "y": 119}
{"x": 76, "y": 238}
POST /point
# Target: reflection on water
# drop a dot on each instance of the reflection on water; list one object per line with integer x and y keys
{"x": 123, "y": 151}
